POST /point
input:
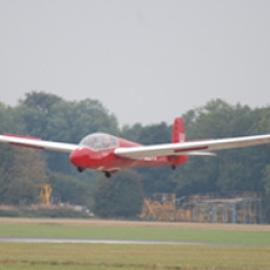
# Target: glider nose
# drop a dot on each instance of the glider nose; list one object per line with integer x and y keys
{"x": 84, "y": 157}
{"x": 79, "y": 157}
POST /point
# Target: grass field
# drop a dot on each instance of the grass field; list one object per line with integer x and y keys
{"x": 222, "y": 247}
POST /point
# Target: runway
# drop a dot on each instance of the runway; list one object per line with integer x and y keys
{"x": 93, "y": 241}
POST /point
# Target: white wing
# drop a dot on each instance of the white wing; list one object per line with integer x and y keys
{"x": 187, "y": 148}
{"x": 38, "y": 144}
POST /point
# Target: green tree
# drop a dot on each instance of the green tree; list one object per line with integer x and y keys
{"x": 266, "y": 194}
{"x": 35, "y": 110}
{"x": 69, "y": 189}
{"x": 198, "y": 175}
{"x": 119, "y": 196}
{"x": 24, "y": 177}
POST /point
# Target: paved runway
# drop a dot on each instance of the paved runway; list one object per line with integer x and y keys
{"x": 92, "y": 241}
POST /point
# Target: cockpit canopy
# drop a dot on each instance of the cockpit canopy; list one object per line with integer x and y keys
{"x": 99, "y": 141}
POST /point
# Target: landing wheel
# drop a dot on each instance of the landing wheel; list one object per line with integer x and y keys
{"x": 80, "y": 169}
{"x": 108, "y": 174}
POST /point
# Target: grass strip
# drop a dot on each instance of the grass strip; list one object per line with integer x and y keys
{"x": 85, "y": 256}
{"x": 151, "y": 233}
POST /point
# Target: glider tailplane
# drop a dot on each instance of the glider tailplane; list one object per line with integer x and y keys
{"x": 178, "y": 136}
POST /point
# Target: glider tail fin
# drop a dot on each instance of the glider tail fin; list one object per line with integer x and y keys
{"x": 178, "y": 130}
{"x": 178, "y": 136}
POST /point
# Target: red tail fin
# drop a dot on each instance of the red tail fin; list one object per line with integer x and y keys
{"x": 178, "y": 136}
{"x": 178, "y": 130}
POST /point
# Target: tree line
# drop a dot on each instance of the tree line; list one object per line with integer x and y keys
{"x": 50, "y": 117}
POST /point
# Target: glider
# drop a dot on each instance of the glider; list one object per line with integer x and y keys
{"x": 107, "y": 153}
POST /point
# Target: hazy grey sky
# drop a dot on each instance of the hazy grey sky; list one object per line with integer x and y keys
{"x": 145, "y": 60}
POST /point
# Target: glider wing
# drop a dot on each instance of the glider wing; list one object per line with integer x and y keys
{"x": 187, "y": 148}
{"x": 37, "y": 143}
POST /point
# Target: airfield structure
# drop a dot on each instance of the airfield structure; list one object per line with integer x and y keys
{"x": 245, "y": 208}
{"x": 45, "y": 194}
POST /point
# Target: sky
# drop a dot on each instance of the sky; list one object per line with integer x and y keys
{"x": 146, "y": 60}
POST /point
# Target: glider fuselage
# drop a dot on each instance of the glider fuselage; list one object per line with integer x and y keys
{"x": 96, "y": 151}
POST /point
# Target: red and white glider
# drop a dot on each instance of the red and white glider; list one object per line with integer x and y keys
{"x": 109, "y": 154}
